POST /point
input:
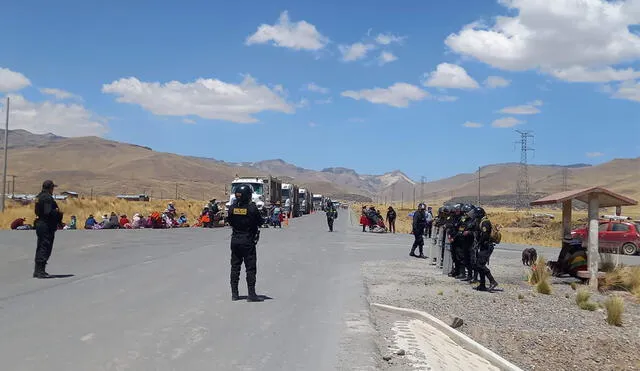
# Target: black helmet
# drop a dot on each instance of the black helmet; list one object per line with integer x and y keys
{"x": 421, "y": 206}
{"x": 457, "y": 208}
{"x": 476, "y": 213}
{"x": 466, "y": 208}
{"x": 245, "y": 193}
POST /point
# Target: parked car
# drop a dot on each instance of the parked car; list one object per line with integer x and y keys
{"x": 615, "y": 236}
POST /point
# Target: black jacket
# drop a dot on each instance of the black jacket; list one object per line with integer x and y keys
{"x": 419, "y": 222}
{"x": 245, "y": 221}
{"x": 46, "y": 210}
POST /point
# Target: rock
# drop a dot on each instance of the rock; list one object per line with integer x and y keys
{"x": 400, "y": 352}
{"x": 387, "y": 358}
{"x": 457, "y": 322}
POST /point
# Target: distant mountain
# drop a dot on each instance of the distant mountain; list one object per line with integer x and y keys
{"x": 110, "y": 167}
{"x": 22, "y": 138}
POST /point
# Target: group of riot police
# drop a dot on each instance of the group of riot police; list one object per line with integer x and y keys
{"x": 468, "y": 232}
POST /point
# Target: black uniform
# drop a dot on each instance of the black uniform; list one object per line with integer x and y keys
{"x": 48, "y": 217}
{"x": 468, "y": 259}
{"x": 419, "y": 224}
{"x": 485, "y": 249}
{"x": 332, "y": 214}
{"x": 245, "y": 220}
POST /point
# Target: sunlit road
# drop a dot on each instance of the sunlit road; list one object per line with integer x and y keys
{"x": 160, "y": 300}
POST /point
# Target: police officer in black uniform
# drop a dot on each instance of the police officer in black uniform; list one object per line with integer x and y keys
{"x": 332, "y": 214}
{"x": 417, "y": 228}
{"x": 454, "y": 229}
{"x": 466, "y": 242}
{"x": 245, "y": 220}
{"x": 485, "y": 247}
{"x": 48, "y": 217}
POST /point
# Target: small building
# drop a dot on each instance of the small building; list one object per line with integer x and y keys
{"x": 70, "y": 194}
{"x": 140, "y": 197}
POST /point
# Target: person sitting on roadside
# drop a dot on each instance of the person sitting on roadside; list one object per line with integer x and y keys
{"x": 72, "y": 224}
{"x": 124, "y": 222}
{"x": 112, "y": 222}
{"x": 182, "y": 220}
{"x": 90, "y": 222}
{"x": 19, "y": 225}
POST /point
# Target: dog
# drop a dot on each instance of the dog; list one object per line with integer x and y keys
{"x": 529, "y": 256}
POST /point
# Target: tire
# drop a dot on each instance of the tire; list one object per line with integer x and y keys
{"x": 629, "y": 249}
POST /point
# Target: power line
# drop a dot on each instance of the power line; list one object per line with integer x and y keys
{"x": 522, "y": 188}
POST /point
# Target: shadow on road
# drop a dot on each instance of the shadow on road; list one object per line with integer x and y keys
{"x": 58, "y": 276}
{"x": 263, "y": 297}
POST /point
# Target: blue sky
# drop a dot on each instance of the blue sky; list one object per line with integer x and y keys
{"x": 322, "y": 84}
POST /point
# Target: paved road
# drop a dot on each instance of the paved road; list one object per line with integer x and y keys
{"x": 160, "y": 300}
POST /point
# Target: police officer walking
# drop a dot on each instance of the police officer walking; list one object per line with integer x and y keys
{"x": 48, "y": 217}
{"x": 245, "y": 220}
{"x": 419, "y": 224}
{"x": 332, "y": 214}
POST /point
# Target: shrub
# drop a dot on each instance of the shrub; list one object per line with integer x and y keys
{"x": 543, "y": 287}
{"x": 615, "y": 308}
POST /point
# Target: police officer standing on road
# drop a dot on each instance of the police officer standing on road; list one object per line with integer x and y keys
{"x": 48, "y": 217}
{"x": 245, "y": 220}
{"x": 332, "y": 214}
{"x": 485, "y": 247}
{"x": 417, "y": 228}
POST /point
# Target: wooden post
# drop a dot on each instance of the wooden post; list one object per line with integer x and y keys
{"x": 593, "y": 256}
{"x": 566, "y": 218}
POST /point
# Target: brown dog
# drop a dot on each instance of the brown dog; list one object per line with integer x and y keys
{"x": 529, "y": 256}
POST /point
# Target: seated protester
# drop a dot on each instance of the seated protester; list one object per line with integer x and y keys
{"x": 105, "y": 219}
{"x": 19, "y": 224}
{"x": 136, "y": 224}
{"x": 72, "y": 224}
{"x": 124, "y": 222}
{"x": 112, "y": 222}
{"x": 90, "y": 223}
{"x": 182, "y": 220}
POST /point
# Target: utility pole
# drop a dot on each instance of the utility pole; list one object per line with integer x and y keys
{"x": 402, "y": 204}
{"x": 522, "y": 188}
{"x": 176, "y": 191}
{"x": 422, "y": 188}
{"x": 479, "y": 185}
{"x": 91, "y": 194}
{"x": 13, "y": 185}
{"x": 6, "y": 147}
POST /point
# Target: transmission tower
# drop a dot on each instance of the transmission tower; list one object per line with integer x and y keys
{"x": 522, "y": 188}
{"x": 565, "y": 176}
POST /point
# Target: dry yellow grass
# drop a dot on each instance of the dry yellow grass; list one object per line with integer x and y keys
{"x": 615, "y": 309}
{"x": 515, "y": 225}
{"x": 100, "y": 206}
{"x": 623, "y": 278}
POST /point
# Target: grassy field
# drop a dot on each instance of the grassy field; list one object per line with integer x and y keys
{"x": 101, "y": 206}
{"x": 516, "y": 227}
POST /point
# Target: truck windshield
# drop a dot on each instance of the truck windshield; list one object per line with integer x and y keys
{"x": 301, "y": 195}
{"x": 285, "y": 194}
{"x": 257, "y": 187}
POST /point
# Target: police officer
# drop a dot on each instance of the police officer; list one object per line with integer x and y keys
{"x": 485, "y": 248}
{"x": 467, "y": 240}
{"x": 332, "y": 214}
{"x": 48, "y": 217}
{"x": 417, "y": 228}
{"x": 245, "y": 220}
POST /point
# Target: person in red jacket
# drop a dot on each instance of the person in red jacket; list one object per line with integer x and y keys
{"x": 363, "y": 219}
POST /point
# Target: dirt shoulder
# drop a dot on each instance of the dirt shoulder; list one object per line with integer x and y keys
{"x": 534, "y": 331}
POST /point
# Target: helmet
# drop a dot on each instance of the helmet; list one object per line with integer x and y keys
{"x": 245, "y": 193}
{"x": 421, "y": 206}
{"x": 457, "y": 208}
{"x": 466, "y": 208}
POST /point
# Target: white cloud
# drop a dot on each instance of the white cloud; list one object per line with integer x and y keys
{"x": 629, "y": 90}
{"x": 562, "y": 37}
{"x": 188, "y": 121}
{"x": 388, "y": 38}
{"x": 446, "y": 98}
{"x": 452, "y": 76}
{"x": 386, "y": 57}
{"x": 324, "y": 101}
{"x": 304, "y": 102}
{"x": 470, "y": 124}
{"x": 582, "y": 74}
{"x": 12, "y": 81}
{"x": 506, "y": 122}
{"x": 397, "y": 95}
{"x": 355, "y": 51}
{"x": 496, "y": 82}
{"x": 298, "y": 35}
{"x": 317, "y": 89}
{"x": 206, "y": 98}
{"x": 527, "y": 109}
{"x": 594, "y": 154}
{"x": 68, "y": 120}
{"x": 59, "y": 93}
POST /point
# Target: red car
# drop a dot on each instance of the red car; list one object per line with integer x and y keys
{"x": 615, "y": 236}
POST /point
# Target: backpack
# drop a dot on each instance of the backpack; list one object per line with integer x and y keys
{"x": 495, "y": 236}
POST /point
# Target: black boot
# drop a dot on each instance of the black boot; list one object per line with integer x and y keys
{"x": 413, "y": 251}
{"x": 252, "y": 297}
{"x": 39, "y": 271}
{"x": 492, "y": 282}
{"x": 234, "y": 291}
{"x": 420, "y": 249}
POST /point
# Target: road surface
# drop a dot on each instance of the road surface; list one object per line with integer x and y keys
{"x": 160, "y": 300}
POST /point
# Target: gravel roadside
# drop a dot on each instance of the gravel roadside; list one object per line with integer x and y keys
{"x": 534, "y": 331}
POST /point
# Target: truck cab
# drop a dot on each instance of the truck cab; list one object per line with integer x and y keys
{"x": 265, "y": 191}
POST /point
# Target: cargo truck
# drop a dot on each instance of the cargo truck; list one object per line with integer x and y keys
{"x": 304, "y": 196}
{"x": 266, "y": 190}
{"x": 290, "y": 200}
{"x": 317, "y": 202}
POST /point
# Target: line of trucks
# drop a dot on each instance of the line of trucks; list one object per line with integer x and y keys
{"x": 268, "y": 190}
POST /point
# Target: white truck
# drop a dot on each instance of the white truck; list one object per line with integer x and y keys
{"x": 318, "y": 201}
{"x": 290, "y": 199}
{"x": 266, "y": 190}
{"x": 305, "y": 199}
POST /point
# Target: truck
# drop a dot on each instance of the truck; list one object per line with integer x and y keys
{"x": 266, "y": 190}
{"x": 318, "y": 200}
{"x": 290, "y": 200}
{"x": 304, "y": 197}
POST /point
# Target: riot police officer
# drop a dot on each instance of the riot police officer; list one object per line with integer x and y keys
{"x": 484, "y": 247}
{"x": 417, "y": 228}
{"x": 466, "y": 242}
{"x": 245, "y": 220}
{"x": 48, "y": 217}
{"x": 332, "y": 214}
